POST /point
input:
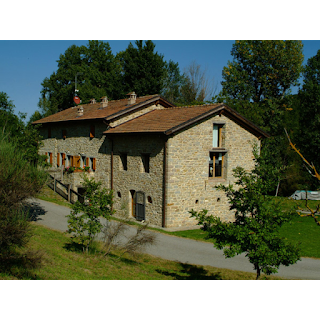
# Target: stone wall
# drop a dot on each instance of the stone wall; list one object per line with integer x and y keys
{"x": 134, "y": 178}
{"x": 78, "y": 142}
{"x": 189, "y": 186}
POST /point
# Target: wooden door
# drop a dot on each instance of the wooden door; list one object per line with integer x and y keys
{"x": 140, "y": 205}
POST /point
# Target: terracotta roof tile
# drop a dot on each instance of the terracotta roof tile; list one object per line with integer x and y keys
{"x": 170, "y": 120}
{"x": 162, "y": 120}
{"x": 93, "y": 111}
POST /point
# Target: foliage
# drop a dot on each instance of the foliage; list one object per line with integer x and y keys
{"x": 14, "y": 128}
{"x": 259, "y": 78}
{"x": 255, "y": 230}
{"x": 19, "y": 180}
{"x": 143, "y": 69}
{"x": 308, "y": 137}
{"x": 73, "y": 169}
{"x": 98, "y": 74}
{"x": 84, "y": 219}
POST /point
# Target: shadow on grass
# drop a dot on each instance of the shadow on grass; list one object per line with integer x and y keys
{"x": 33, "y": 211}
{"x": 191, "y": 272}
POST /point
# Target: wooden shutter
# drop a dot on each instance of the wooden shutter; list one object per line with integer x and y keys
{"x": 93, "y": 164}
{"x": 58, "y": 159}
{"x": 92, "y": 131}
{"x": 46, "y": 156}
{"x": 71, "y": 161}
{"x": 87, "y": 162}
{"x": 76, "y": 161}
{"x": 51, "y": 158}
{"x": 63, "y": 156}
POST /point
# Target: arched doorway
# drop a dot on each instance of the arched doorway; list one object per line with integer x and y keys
{"x": 137, "y": 204}
{"x": 132, "y": 203}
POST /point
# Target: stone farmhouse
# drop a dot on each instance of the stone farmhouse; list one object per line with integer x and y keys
{"x": 160, "y": 160}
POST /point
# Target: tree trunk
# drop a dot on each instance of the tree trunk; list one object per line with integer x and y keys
{"x": 258, "y": 272}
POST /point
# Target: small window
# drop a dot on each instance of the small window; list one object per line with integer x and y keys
{"x": 216, "y": 164}
{"x": 91, "y": 162}
{"x": 124, "y": 161}
{"x": 216, "y": 135}
{"x": 83, "y": 161}
{"x": 49, "y": 154}
{"x": 69, "y": 161}
{"x": 146, "y": 162}
{"x": 94, "y": 164}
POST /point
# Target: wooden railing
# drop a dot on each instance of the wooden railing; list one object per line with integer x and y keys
{"x": 64, "y": 190}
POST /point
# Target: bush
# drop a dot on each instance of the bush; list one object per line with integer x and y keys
{"x": 19, "y": 180}
{"x": 84, "y": 219}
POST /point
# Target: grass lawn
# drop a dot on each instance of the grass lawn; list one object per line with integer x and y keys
{"x": 61, "y": 261}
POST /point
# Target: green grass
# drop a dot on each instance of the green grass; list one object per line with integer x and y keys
{"x": 63, "y": 261}
{"x": 48, "y": 194}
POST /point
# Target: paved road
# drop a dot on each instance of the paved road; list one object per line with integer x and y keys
{"x": 181, "y": 249}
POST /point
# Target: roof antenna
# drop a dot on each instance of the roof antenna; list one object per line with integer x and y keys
{"x": 76, "y": 99}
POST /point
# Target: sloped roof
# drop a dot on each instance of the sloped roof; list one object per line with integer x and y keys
{"x": 114, "y": 109}
{"x": 171, "y": 120}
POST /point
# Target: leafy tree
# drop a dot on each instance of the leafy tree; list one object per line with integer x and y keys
{"x": 84, "y": 219}
{"x": 258, "y": 218}
{"x": 173, "y": 81}
{"x": 259, "y": 78}
{"x": 309, "y": 97}
{"x": 143, "y": 69}
{"x": 14, "y": 127}
{"x": 19, "y": 180}
{"x": 98, "y": 74}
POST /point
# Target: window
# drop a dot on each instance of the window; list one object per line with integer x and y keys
{"x": 69, "y": 161}
{"x": 49, "y": 157}
{"x": 216, "y": 135}
{"x": 91, "y": 162}
{"x": 124, "y": 161}
{"x": 83, "y": 161}
{"x": 146, "y": 162}
{"x": 216, "y": 164}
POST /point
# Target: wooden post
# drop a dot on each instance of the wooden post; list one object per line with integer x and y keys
{"x": 69, "y": 193}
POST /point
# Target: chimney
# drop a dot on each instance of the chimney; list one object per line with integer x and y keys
{"x": 92, "y": 101}
{"x": 104, "y": 102}
{"x": 80, "y": 111}
{"x": 132, "y": 97}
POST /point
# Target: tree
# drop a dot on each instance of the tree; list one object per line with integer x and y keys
{"x": 308, "y": 137}
{"x": 255, "y": 230}
{"x": 197, "y": 86}
{"x": 19, "y": 180}
{"x": 259, "y": 78}
{"x": 173, "y": 81}
{"x": 84, "y": 219}
{"x": 143, "y": 69}
{"x": 15, "y": 129}
{"x": 98, "y": 74}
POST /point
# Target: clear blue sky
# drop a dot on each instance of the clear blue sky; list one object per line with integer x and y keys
{"x": 24, "y": 64}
